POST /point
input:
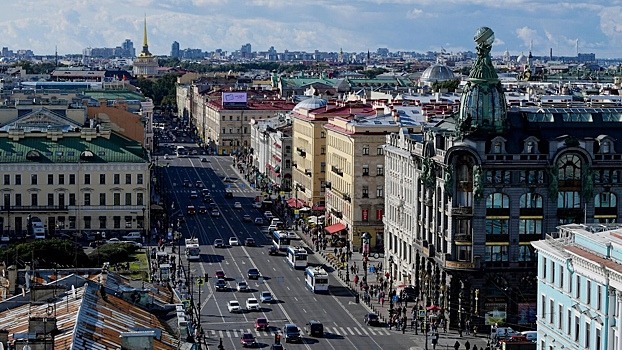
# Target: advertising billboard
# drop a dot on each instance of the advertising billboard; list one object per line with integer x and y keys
{"x": 234, "y": 99}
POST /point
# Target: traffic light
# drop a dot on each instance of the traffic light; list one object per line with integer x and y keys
{"x": 277, "y": 339}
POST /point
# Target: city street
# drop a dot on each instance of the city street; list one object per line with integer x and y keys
{"x": 341, "y": 316}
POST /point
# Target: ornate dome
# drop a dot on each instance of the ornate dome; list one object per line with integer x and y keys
{"x": 437, "y": 72}
{"x": 521, "y": 59}
{"x": 311, "y": 103}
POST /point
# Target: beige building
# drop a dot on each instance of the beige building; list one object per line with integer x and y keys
{"x": 146, "y": 64}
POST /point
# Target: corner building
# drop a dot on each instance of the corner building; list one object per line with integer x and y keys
{"x": 466, "y": 198}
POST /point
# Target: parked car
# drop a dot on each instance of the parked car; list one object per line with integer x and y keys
{"x": 248, "y": 339}
{"x": 194, "y": 194}
{"x": 272, "y": 228}
{"x": 268, "y": 215}
{"x": 257, "y": 205}
{"x": 247, "y": 218}
{"x": 291, "y": 333}
{"x": 203, "y": 160}
{"x": 261, "y": 323}
{"x": 202, "y": 209}
{"x": 199, "y": 184}
{"x": 252, "y": 304}
{"x": 266, "y": 297}
{"x": 132, "y": 236}
{"x": 215, "y": 213}
{"x": 253, "y": 274}
{"x": 233, "y": 306}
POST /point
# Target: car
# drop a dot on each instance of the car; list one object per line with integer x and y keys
{"x": 221, "y": 285}
{"x": 248, "y": 339}
{"x": 202, "y": 209}
{"x": 261, "y": 323}
{"x": 247, "y": 218}
{"x": 191, "y": 210}
{"x": 233, "y": 241}
{"x": 205, "y": 193}
{"x": 273, "y": 250}
{"x": 199, "y": 184}
{"x": 228, "y": 180}
{"x": 291, "y": 333}
{"x": 219, "y": 243}
{"x": 187, "y": 183}
{"x": 371, "y": 319}
{"x": 268, "y": 215}
{"x": 194, "y": 194}
{"x": 134, "y": 243}
{"x": 215, "y": 213}
{"x": 252, "y": 304}
{"x": 277, "y": 347}
{"x": 250, "y": 242}
{"x": 531, "y": 336}
{"x": 234, "y": 306}
{"x": 113, "y": 240}
{"x": 315, "y": 328}
{"x": 132, "y": 236}
{"x": 272, "y": 228}
{"x": 228, "y": 193}
{"x": 275, "y": 221}
{"x": 266, "y": 297}
{"x": 194, "y": 152}
{"x": 237, "y": 205}
{"x": 253, "y": 274}
{"x": 220, "y": 274}
{"x": 203, "y": 160}
{"x": 258, "y": 221}
{"x": 242, "y": 286}
{"x": 257, "y": 205}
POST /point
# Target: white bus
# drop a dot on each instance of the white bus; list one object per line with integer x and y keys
{"x": 297, "y": 257}
{"x": 280, "y": 240}
{"x": 193, "y": 250}
{"x": 316, "y": 279}
{"x": 181, "y": 151}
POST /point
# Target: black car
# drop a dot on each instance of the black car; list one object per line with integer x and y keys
{"x": 253, "y": 274}
{"x": 315, "y": 328}
{"x": 371, "y": 319}
{"x": 291, "y": 333}
{"x": 273, "y": 250}
{"x": 221, "y": 285}
{"x": 409, "y": 293}
{"x": 250, "y": 242}
{"x": 202, "y": 209}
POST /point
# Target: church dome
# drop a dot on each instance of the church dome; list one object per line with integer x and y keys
{"x": 521, "y": 59}
{"x": 311, "y": 103}
{"x": 437, "y": 72}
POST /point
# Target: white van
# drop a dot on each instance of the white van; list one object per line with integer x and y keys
{"x": 531, "y": 336}
{"x": 38, "y": 230}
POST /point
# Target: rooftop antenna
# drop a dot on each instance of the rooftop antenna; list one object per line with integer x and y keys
{"x": 56, "y": 56}
{"x": 577, "y": 46}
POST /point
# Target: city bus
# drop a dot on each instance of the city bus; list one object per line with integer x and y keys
{"x": 297, "y": 257}
{"x": 280, "y": 240}
{"x": 193, "y": 250}
{"x": 181, "y": 151}
{"x": 316, "y": 279}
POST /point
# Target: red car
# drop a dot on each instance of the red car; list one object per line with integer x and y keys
{"x": 248, "y": 339}
{"x": 220, "y": 274}
{"x": 261, "y": 323}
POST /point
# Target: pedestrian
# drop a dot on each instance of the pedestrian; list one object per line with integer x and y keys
{"x": 404, "y": 325}
{"x": 456, "y": 345}
{"x": 475, "y": 347}
{"x": 468, "y": 328}
{"x": 467, "y": 345}
{"x": 382, "y": 301}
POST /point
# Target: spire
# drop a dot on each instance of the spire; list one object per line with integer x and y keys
{"x": 145, "y": 52}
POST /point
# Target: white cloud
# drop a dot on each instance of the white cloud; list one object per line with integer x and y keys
{"x": 414, "y": 13}
{"x": 528, "y": 36}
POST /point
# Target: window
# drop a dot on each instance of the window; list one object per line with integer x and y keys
{"x": 569, "y": 200}
{"x": 50, "y": 199}
{"x": 116, "y": 222}
{"x": 498, "y": 200}
{"x": 365, "y": 191}
{"x": 364, "y": 214}
{"x": 322, "y": 150}
{"x": 322, "y": 134}
{"x": 576, "y": 328}
{"x": 598, "y": 338}
{"x": 379, "y": 214}
{"x": 72, "y": 222}
{"x": 87, "y": 179}
{"x": 380, "y": 150}
{"x": 61, "y": 179}
{"x": 116, "y": 198}
{"x": 553, "y": 272}
{"x": 102, "y": 199}
{"x": 551, "y": 310}
{"x": 561, "y": 278}
{"x": 379, "y": 170}
{"x": 380, "y": 191}
{"x": 544, "y": 269}
{"x": 560, "y": 316}
{"x": 33, "y": 179}
{"x": 530, "y": 227}
{"x": 587, "y": 335}
{"x": 72, "y": 199}
{"x": 526, "y": 253}
{"x": 87, "y": 199}
{"x": 128, "y": 222}
{"x": 578, "y": 290}
{"x": 128, "y": 199}
{"x": 102, "y": 179}
{"x": 568, "y": 321}
{"x": 588, "y": 292}
{"x": 365, "y": 150}
{"x": 34, "y": 200}
{"x": 599, "y": 292}
{"x": 87, "y": 222}
{"x": 72, "y": 179}
{"x": 496, "y": 253}
{"x": 569, "y": 167}
{"x": 18, "y": 179}
{"x": 116, "y": 179}
{"x": 7, "y": 179}
{"x": 50, "y": 179}
{"x": 139, "y": 179}
{"x": 542, "y": 306}
{"x": 128, "y": 179}
{"x": 139, "y": 199}
{"x": 18, "y": 200}
{"x": 365, "y": 170}
{"x": 323, "y": 167}
{"x": 497, "y": 226}
{"x": 102, "y": 222}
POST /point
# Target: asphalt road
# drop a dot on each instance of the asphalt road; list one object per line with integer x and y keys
{"x": 341, "y": 316}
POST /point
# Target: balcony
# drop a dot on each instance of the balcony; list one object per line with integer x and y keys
{"x": 301, "y": 152}
{"x": 428, "y": 249}
{"x": 347, "y": 197}
{"x": 336, "y": 170}
{"x": 36, "y": 208}
{"x": 336, "y": 213}
{"x": 328, "y": 185}
{"x": 462, "y": 211}
{"x": 308, "y": 172}
{"x": 459, "y": 265}
{"x": 463, "y": 237}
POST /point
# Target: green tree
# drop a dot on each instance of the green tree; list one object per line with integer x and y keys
{"x": 48, "y": 253}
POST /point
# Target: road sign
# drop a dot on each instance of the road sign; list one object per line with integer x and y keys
{"x": 200, "y": 281}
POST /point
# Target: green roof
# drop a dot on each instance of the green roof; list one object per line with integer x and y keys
{"x": 37, "y": 150}
{"x": 298, "y": 82}
{"x": 114, "y": 95}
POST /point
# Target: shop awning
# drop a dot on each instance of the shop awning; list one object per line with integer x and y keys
{"x": 332, "y": 229}
{"x": 318, "y": 207}
{"x": 295, "y": 203}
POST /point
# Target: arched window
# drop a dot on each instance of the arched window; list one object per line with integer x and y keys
{"x": 569, "y": 166}
{"x": 531, "y": 201}
{"x": 498, "y": 200}
{"x": 605, "y": 200}
{"x": 605, "y": 147}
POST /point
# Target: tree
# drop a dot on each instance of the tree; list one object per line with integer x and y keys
{"x": 48, "y": 253}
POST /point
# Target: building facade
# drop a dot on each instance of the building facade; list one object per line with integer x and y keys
{"x": 146, "y": 64}
{"x": 579, "y": 281}
{"x": 271, "y": 142}
{"x": 486, "y": 182}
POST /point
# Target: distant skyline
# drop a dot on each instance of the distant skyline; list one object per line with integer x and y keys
{"x": 325, "y": 25}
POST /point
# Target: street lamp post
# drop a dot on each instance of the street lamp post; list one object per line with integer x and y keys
{"x": 425, "y": 320}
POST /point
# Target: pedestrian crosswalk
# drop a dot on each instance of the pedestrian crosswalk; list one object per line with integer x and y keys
{"x": 232, "y": 189}
{"x": 339, "y": 331}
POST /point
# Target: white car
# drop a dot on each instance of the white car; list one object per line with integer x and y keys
{"x": 272, "y": 228}
{"x": 233, "y": 241}
{"x": 234, "y": 306}
{"x": 242, "y": 286}
{"x": 252, "y": 304}
{"x": 257, "y": 205}
{"x": 237, "y": 205}
{"x": 291, "y": 235}
{"x": 268, "y": 214}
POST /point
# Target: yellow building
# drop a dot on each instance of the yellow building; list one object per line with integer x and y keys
{"x": 145, "y": 65}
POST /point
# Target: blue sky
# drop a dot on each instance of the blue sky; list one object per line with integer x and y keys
{"x": 306, "y": 25}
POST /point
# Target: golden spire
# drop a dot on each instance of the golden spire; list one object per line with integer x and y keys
{"x": 145, "y": 52}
